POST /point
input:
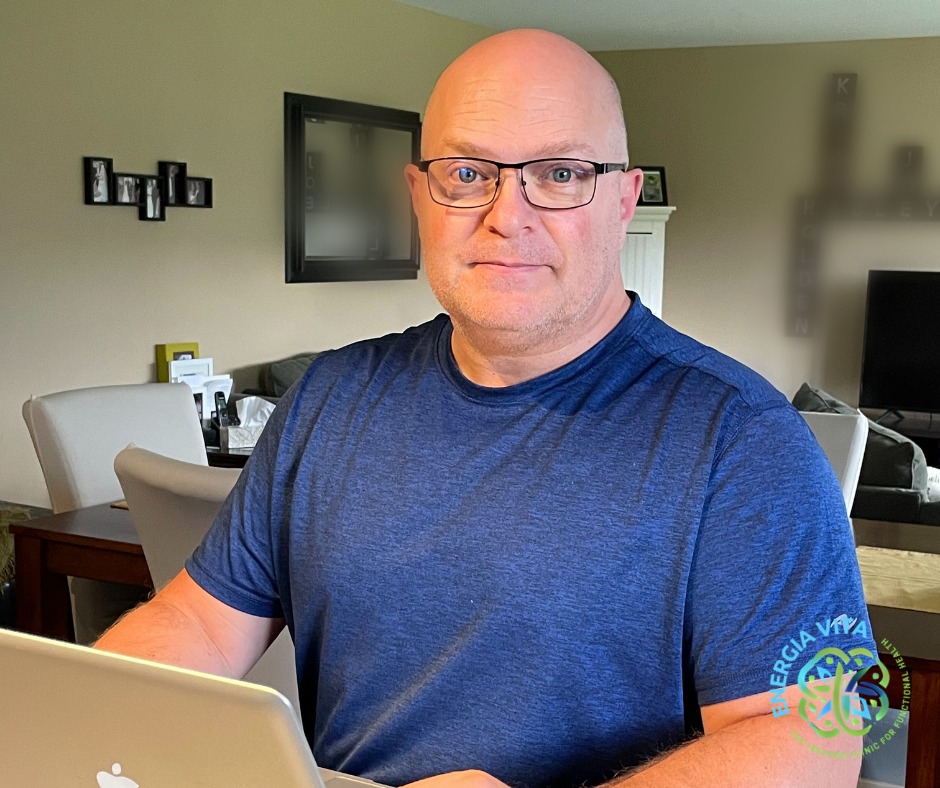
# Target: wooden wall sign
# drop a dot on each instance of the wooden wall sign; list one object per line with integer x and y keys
{"x": 835, "y": 198}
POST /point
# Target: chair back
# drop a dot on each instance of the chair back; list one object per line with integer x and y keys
{"x": 77, "y": 434}
{"x": 842, "y": 437}
{"x": 173, "y": 504}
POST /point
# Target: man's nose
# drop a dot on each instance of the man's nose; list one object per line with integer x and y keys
{"x": 510, "y": 213}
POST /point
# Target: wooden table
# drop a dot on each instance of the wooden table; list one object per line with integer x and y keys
{"x": 227, "y": 458}
{"x": 897, "y": 536}
{"x": 98, "y": 543}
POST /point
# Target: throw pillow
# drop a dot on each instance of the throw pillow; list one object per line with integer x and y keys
{"x": 891, "y": 459}
{"x": 281, "y": 375}
{"x": 814, "y": 400}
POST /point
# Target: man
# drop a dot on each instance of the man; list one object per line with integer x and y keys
{"x": 525, "y": 542}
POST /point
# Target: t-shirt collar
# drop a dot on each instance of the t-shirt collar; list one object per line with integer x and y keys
{"x": 636, "y": 314}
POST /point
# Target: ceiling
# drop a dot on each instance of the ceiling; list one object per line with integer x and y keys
{"x": 655, "y": 24}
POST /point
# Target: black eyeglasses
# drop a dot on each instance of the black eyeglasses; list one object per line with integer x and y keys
{"x": 554, "y": 184}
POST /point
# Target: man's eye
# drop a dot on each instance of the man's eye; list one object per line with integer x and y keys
{"x": 467, "y": 174}
{"x": 562, "y": 175}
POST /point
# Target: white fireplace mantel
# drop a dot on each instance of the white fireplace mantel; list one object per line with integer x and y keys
{"x": 642, "y": 257}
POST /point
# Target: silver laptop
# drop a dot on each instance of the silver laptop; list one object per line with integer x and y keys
{"x": 79, "y": 717}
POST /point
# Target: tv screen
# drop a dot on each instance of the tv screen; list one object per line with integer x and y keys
{"x": 901, "y": 353}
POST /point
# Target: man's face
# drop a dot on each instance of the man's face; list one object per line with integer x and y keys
{"x": 510, "y": 266}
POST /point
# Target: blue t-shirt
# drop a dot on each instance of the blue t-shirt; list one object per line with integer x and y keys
{"x": 540, "y": 580}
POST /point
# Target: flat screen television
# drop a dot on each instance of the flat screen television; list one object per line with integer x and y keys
{"x": 901, "y": 350}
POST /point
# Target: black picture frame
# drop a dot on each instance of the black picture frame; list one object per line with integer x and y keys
{"x": 202, "y": 197}
{"x": 94, "y": 179}
{"x": 117, "y": 184}
{"x": 660, "y": 172}
{"x": 149, "y": 211}
{"x": 298, "y": 109}
{"x": 173, "y": 174}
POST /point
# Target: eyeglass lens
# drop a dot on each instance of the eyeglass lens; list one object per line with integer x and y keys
{"x": 471, "y": 183}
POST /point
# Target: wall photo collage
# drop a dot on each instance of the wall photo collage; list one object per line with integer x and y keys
{"x": 151, "y": 194}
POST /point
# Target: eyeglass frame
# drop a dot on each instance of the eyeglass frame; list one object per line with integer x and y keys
{"x": 600, "y": 168}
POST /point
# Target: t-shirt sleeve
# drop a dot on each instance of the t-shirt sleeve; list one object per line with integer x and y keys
{"x": 237, "y": 560}
{"x": 774, "y": 556}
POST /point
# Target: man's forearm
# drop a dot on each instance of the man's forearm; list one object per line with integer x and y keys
{"x": 162, "y": 632}
{"x": 185, "y": 626}
{"x": 753, "y": 753}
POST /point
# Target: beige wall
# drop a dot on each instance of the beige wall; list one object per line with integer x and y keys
{"x": 86, "y": 292}
{"x": 737, "y": 130}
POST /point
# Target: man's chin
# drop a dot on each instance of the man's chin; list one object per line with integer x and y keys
{"x": 522, "y": 313}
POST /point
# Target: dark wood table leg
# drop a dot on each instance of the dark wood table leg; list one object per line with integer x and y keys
{"x": 43, "y": 604}
{"x": 923, "y": 754}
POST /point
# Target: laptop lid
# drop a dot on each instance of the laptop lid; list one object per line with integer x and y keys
{"x": 80, "y": 717}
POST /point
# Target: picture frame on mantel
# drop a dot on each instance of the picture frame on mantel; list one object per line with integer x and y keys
{"x": 653, "y": 190}
{"x": 348, "y": 215}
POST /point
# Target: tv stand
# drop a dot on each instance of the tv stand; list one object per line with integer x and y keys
{"x": 895, "y": 413}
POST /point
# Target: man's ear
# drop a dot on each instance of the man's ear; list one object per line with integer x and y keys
{"x": 631, "y": 182}
{"x": 414, "y": 178}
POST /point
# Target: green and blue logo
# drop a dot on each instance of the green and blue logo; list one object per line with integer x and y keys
{"x": 843, "y": 690}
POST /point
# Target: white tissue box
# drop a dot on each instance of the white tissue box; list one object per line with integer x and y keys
{"x": 239, "y": 437}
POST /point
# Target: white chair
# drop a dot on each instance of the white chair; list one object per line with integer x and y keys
{"x": 173, "y": 504}
{"x": 77, "y": 434}
{"x": 842, "y": 437}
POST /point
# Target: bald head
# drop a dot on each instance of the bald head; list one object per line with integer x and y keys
{"x": 527, "y": 77}
{"x": 514, "y": 274}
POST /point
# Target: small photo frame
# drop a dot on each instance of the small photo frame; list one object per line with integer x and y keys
{"x": 653, "y": 190}
{"x": 98, "y": 172}
{"x": 199, "y": 192}
{"x": 152, "y": 207}
{"x": 126, "y": 188}
{"x": 185, "y": 367}
{"x": 173, "y": 174}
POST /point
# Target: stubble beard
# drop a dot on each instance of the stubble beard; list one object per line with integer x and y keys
{"x": 492, "y": 325}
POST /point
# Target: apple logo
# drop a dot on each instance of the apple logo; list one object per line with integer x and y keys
{"x": 114, "y": 780}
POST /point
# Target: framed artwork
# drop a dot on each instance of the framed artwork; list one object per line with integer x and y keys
{"x": 98, "y": 186}
{"x": 348, "y": 214}
{"x": 653, "y": 191}
{"x": 173, "y": 174}
{"x": 198, "y": 193}
{"x": 126, "y": 187}
{"x": 150, "y": 193}
{"x": 184, "y": 367}
{"x": 152, "y": 207}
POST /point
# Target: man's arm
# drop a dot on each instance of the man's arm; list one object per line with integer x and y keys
{"x": 186, "y": 626}
{"x": 744, "y": 746}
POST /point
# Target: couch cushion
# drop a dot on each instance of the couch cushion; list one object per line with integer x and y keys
{"x": 894, "y": 504}
{"x": 891, "y": 459}
{"x": 813, "y": 400}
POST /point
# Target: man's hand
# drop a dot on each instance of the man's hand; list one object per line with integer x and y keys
{"x": 471, "y": 778}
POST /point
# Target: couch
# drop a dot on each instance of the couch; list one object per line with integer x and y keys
{"x": 276, "y": 378}
{"x": 892, "y": 484}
